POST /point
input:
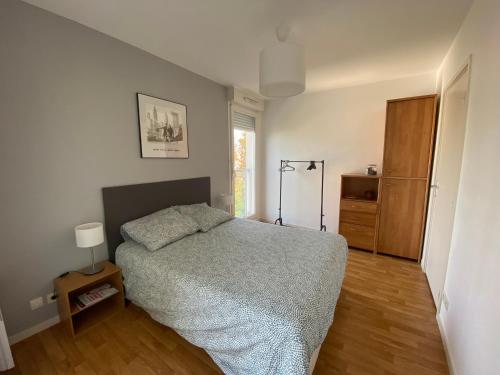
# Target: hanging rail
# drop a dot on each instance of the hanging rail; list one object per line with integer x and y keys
{"x": 279, "y": 220}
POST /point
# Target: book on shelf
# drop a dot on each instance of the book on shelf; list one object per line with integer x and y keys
{"x": 95, "y": 295}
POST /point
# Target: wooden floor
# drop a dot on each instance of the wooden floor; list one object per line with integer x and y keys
{"x": 384, "y": 324}
{"x": 385, "y": 321}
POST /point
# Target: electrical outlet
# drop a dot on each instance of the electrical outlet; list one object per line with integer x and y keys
{"x": 36, "y": 303}
{"x": 446, "y": 303}
{"x": 51, "y": 298}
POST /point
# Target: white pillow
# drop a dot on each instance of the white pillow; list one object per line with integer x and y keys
{"x": 160, "y": 228}
{"x": 207, "y": 217}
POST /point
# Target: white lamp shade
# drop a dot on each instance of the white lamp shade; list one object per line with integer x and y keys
{"x": 282, "y": 70}
{"x": 226, "y": 199}
{"x": 89, "y": 235}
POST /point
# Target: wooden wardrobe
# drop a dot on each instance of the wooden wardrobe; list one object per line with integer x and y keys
{"x": 408, "y": 147}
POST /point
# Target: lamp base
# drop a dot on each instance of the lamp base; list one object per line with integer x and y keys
{"x": 92, "y": 270}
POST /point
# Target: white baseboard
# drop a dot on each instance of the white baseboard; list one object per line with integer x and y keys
{"x": 33, "y": 330}
{"x": 444, "y": 338}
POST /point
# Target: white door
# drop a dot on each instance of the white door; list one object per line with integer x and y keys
{"x": 6, "y": 361}
{"x": 445, "y": 181}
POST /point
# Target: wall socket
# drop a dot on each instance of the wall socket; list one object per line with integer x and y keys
{"x": 446, "y": 303}
{"x": 50, "y": 299}
{"x": 36, "y": 303}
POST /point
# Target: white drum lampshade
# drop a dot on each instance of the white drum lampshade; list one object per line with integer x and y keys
{"x": 90, "y": 235}
{"x": 282, "y": 68}
{"x": 225, "y": 201}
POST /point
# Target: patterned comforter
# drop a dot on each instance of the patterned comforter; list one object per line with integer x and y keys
{"x": 258, "y": 298}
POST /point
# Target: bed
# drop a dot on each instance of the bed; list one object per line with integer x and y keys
{"x": 258, "y": 298}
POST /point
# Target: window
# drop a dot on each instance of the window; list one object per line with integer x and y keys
{"x": 243, "y": 163}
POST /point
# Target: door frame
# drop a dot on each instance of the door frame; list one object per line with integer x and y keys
{"x": 465, "y": 67}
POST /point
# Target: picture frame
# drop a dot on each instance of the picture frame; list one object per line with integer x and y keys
{"x": 163, "y": 128}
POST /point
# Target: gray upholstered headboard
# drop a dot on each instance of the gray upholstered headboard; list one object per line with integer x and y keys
{"x": 129, "y": 202}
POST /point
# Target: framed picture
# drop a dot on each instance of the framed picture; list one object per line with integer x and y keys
{"x": 163, "y": 128}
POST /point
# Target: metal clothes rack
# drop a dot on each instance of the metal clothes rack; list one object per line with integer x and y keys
{"x": 312, "y": 165}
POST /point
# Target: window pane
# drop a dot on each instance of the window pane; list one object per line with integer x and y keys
{"x": 244, "y": 172}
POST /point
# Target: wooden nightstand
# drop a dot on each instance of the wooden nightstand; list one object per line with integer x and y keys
{"x": 69, "y": 287}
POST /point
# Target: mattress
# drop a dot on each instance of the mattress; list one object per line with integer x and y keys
{"x": 258, "y": 298}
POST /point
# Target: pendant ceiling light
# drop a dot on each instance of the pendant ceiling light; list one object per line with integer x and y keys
{"x": 282, "y": 67}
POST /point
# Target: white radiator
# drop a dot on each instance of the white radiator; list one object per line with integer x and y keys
{"x": 6, "y": 361}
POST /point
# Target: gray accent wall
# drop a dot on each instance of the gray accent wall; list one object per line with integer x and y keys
{"x": 68, "y": 118}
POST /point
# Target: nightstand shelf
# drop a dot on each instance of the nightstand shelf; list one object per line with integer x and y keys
{"x": 89, "y": 317}
{"x": 75, "y": 309}
{"x": 69, "y": 287}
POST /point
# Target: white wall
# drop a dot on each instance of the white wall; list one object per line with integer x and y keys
{"x": 345, "y": 127}
{"x": 472, "y": 322}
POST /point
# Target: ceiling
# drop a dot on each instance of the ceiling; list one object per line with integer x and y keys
{"x": 347, "y": 42}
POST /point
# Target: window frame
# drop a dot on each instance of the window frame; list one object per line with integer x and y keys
{"x": 257, "y": 115}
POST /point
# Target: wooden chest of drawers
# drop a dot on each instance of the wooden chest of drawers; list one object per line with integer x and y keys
{"x": 358, "y": 206}
{"x": 358, "y": 217}
{"x": 358, "y": 222}
{"x": 359, "y": 236}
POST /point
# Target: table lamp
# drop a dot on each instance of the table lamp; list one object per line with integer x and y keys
{"x": 90, "y": 235}
{"x": 225, "y": 201}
